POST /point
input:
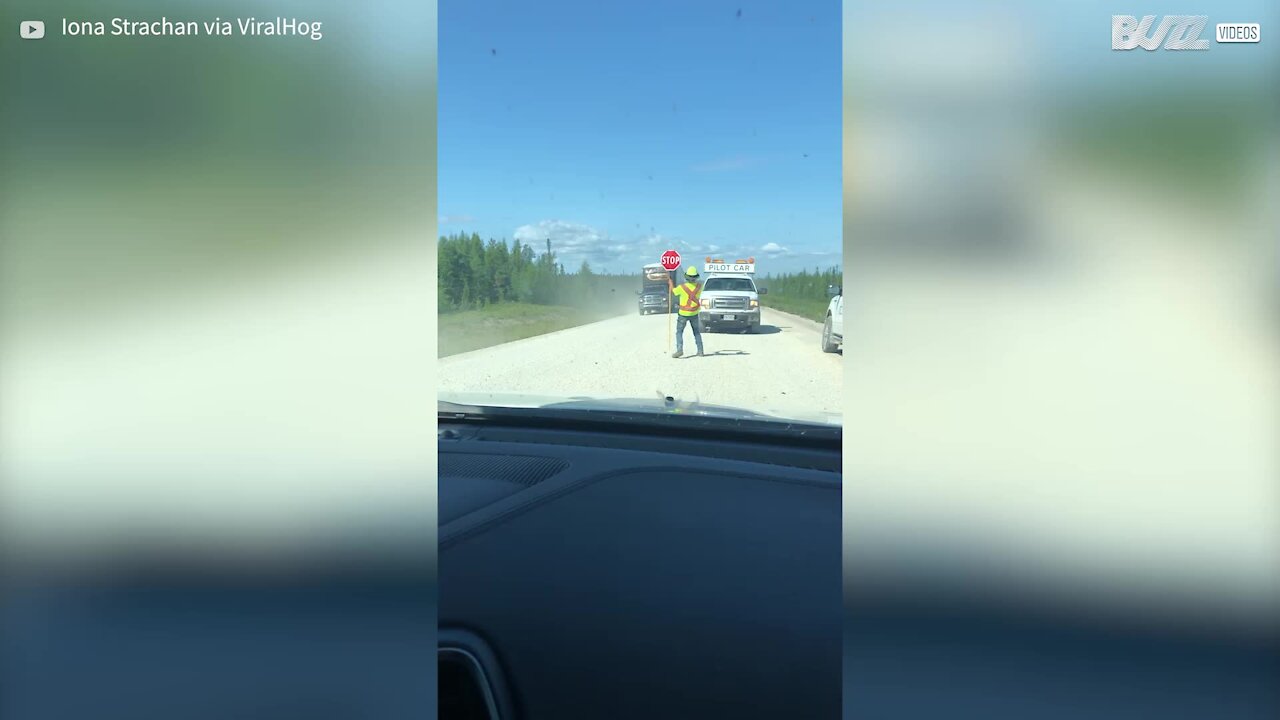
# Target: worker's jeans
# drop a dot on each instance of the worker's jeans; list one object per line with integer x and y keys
{"x": 692, "y": 322}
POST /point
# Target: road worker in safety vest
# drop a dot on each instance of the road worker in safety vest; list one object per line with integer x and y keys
{"x": 688, "y": 298}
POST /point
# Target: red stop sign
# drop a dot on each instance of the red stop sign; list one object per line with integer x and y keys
{"x": 670, "y": 259}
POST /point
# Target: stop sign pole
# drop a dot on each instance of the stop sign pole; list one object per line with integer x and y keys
{"x": 670, "y": 261}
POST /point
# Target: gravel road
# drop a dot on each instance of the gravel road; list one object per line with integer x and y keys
{"x": 780, "y": 369}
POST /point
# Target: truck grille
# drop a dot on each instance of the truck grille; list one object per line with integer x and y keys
{"x": 730, "y": 303}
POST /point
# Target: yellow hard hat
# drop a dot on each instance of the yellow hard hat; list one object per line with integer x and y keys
{"x": 691, "y": 271}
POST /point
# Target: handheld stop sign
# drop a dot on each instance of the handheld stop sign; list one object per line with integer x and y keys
{"x": 670, "y": 260}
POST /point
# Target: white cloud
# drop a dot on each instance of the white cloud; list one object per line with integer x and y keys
{"x": 774, "y": 248}
{"x": 574, "y": 242}
{"x": 567, "y": 238}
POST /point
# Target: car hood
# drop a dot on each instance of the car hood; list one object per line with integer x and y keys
{"x": 666, "y": 405}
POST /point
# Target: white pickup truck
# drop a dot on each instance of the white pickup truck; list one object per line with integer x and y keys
{"x": 833, "y": 327}
{"x": 730, "y": 296}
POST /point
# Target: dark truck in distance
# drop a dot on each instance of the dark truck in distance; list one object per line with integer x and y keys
{"x": 654, "y": 289}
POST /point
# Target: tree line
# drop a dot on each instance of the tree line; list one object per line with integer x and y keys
{"x": 475, "y": 273}
{"x": 803, "y": 285}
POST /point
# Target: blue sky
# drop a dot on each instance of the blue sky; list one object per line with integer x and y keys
{"x": 619, "y": 129}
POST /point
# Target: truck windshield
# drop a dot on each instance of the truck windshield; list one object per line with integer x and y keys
{"x": 656, "y": 279}
{"x": 723, "y": 283}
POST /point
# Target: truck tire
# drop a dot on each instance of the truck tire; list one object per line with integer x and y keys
{"x": 828, "y": 345}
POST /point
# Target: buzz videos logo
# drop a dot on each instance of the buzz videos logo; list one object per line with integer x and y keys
{"x": 1175, "y": 32}
{"x": 1178, "y": 32}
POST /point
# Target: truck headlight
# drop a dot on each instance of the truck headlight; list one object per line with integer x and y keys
{"x": 755, "y": 303}
{"x": 706, "y": 304}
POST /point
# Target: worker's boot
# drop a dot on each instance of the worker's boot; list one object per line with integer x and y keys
{"x": 677, "y": 353}
{"x": 700, "y": 353}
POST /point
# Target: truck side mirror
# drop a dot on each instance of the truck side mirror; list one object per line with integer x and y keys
{"x": 762, "y": 291}
{"x": 833, "y": 290}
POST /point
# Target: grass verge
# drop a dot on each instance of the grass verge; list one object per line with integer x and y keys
{"x": 808, "y": 308}
{"x": 469, "y": 330}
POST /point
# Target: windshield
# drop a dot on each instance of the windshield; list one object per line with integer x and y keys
{"x": 717, "y": 283}
{"x": 570, "y": 192}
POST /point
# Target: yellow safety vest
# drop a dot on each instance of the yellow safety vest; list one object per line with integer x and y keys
{"x": 688, "y": 296}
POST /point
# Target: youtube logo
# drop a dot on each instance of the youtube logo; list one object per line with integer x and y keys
{"x": 31, "y": 29}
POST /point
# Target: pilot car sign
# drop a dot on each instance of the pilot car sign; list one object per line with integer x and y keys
{"x": 745, "y": 268}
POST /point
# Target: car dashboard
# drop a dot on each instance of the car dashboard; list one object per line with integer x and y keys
{"x": 623, "y": 571}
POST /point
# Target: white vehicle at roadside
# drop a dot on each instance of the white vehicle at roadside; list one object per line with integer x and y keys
{"x": 833, "y": 326}
{"x": 730, "y": 296}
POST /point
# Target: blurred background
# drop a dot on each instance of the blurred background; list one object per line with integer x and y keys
{"x": 216, "y": 266}
{"x": 216, "y": 312}
{"x": 1061, "y": 377}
